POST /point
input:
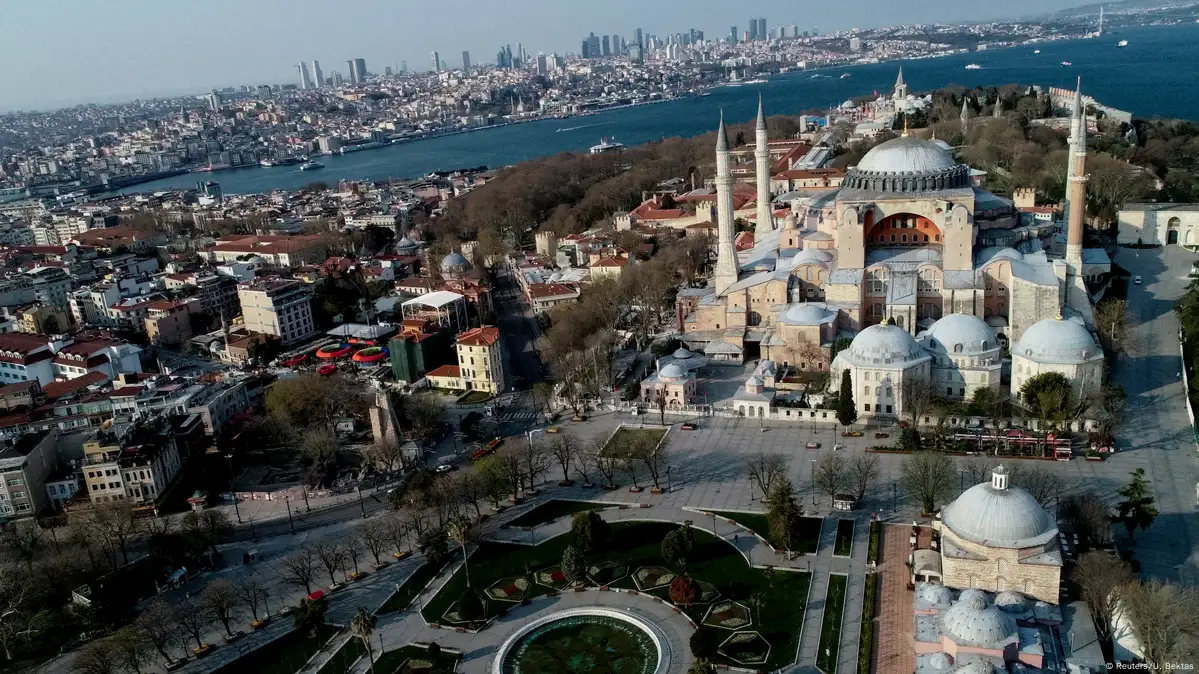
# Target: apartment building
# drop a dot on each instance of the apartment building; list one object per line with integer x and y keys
{"x": 128, "y": 465}
{"x": 24, "y": 467}
{"x": 51, "y": 286}
{"x": 481, "y": 359}
{"x": 168, "y": 322}
{"x": 278, "y": 307}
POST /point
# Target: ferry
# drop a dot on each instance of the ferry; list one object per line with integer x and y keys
{"x": 1036, "y": 51}
{"x": 1121, "y": 44}
{"x": 1066, "y": 64}
{"x": 311, "y": 166}
{"x": 606, "y": 145}
{"x": 757, "y": 80}
{"x": 974, "y": 66}
{"x": 844, "y": 75}
{"x": 288, "y": 161}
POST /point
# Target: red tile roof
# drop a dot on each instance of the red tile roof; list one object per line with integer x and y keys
{"x": 445, "y": 371}
{"x": 57, "y": 389}
{"x": 548, "y": 290}
{"x": 485, "y": 336}
{"x": 612, "y": 262}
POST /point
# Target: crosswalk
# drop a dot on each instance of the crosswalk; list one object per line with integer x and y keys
{"x": 519, "y": 416}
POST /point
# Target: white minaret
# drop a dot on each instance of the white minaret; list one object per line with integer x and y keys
{"x": 727, "y": 267}
{"x": 765, "y": 222}
{"x": 1076, "y": 187}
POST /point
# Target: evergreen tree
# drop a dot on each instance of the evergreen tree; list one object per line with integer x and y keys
{"x": 782, "y": 512}
{"x": 573, "y": 565}
{"x": 590, "y": 531}
{"x": 847, "y": 411}
{"x": 1137, "y": 509}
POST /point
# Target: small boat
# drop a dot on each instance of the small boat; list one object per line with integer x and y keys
{"x": 311, "y": 166}
{"x": 844, "y": 75}
{"x": 974, "y": 66}
{"x": 1036, "y": 51}
{"x": 758, "y": 80}
{"x": 1121, "y": 44}
{"x": 1066, "y": 64}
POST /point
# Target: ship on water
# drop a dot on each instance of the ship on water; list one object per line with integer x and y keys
{"x": 973, "y": 66}
{"x": 1121, "y": 44}
{"x": 286, "y": 161}
{"x": 606, "y": 145}
{"x": 311, "y": 166}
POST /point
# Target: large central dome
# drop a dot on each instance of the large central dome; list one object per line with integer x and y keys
{"x": 907, "y": 154}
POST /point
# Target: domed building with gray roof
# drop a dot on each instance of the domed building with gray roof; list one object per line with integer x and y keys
{"x": 997, "y": 537}
{"x": 967, "y": 356}
{"x": 880, "y": 359}
{"x": 1058, "y": 345}
{"x": 454, "y": 265}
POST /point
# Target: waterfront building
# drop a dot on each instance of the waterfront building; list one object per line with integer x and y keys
{"x": 278, "y": 307}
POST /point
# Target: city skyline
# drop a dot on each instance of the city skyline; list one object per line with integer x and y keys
{"x": 146, "y": 59}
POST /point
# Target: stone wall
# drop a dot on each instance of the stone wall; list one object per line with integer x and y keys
{"x": 1000, "y": 570}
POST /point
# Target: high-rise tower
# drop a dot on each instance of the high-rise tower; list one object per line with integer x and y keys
{"x": 1076, "y": 189}
{"x": 727, "y": 267}
{"x": 317, "y": 76}
{"x": 305, "y": 77}
{"x": 350, "y": 71}
{"x": 765, "y": 222}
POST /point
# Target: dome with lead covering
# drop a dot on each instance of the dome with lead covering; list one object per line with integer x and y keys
{"x": 975, "y": 667}
{"x": 937, "y": 596}
{"x": 807, "y": 314}
{"x": 906, "y": 154}
{"x": 1011, "y": 601}
{"x": 681, "y": 354}
{"x": 999, "y": 516}
{"x": 672, "y": 371}
{"x": 883, "y": 345}
{"x": 454, "y": 263}
{"x": 961, "y": 334}
{"x": 975, "y": 623}
{"x": 1057, "y": 341}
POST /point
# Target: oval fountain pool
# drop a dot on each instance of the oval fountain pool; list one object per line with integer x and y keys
{"x": 584, "y": 641}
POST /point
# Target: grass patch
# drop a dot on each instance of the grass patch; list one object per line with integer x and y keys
{"x": 634, "y": 544}
{"x": 285, "y": 655}
{"x": 830, "y": 629}
{"x": 628, "y": 437}
{"x": 412, "y": 587}
{"x": 869, "y": 626}
{"x": 344, "y": 658}
{"x": 551, "y": 510}
{"x": 390, "y": 661}
{"x": 843, "y": 545}
{"x": 809, "y": 530}
{"x": 474, "y": 397}
{"x": 876, "y": 533}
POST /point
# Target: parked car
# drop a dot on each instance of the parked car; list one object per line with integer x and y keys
{"x": 1136, "y": 280}
{"x": 880, "y": 435}
{"x": 851, "y": 434}
{"x": 688, "y": 426}
{"x": 813, "y": 445}
{"x": 445, "y": 468}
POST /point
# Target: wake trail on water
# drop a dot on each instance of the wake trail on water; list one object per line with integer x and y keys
{"x": 576, "y": 128}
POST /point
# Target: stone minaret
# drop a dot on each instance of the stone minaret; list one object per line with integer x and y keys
{"x": 727, "y": 267}
{"x": 762, "y": 154}
{"x": 965, "y": 116}
{"x": 1076, "y": 190}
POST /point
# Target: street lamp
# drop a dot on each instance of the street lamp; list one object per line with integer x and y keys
{"x": 287, "y": 500}
{"x": 232, "y": 492}
{"x": 358, "y": 489}
{"x": 812, "y": 479}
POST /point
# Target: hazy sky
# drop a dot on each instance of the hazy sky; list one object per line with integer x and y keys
{"x": 62, "y": 52}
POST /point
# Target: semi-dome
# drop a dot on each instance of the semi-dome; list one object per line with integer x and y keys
{"x": 907, "y": 154}
{"x": 999, "y": 516}
{"x": 1011, "y": 601}
{"x": 1058, "y": 341}
{"x": 807, "y": 314}
{"x": 975, "y": 623}
{"x": 940, "y": 662}
{"x": 681, "y": 354}
{"x": 811, "y": 256}
{"x": 961, "y": 334}
{"x": 671, "y": 371}
{"x": 937, "y": 596}
{"x": 883, "y": 345}
{"x": 454, "y": 262}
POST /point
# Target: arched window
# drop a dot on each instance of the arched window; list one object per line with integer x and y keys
{"x": 866, "y": 390}
{"x": 957, "y": 348}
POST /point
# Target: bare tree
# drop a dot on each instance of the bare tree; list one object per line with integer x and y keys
{"x": 918, "y": 397}
{"x": 511, "y": 461}
{"x": 1046, "y": 486}
{"x": 605, "y": 463}
{"x": 535, "y": 460}
{"x": 832, "y": 474}
{"x": 928, "y": 478}
{"x": 470, "y": 490}
{"x": 22, "y": 541}
{"x": 415, "y": 520}
{"x": 118, "y": 527}
{"x": 564, "y": 448}
{"x": 331, "y": 555}
{"x": 220, "y": 600}
{"x": 862, "y": 473}
{"x": 190, "y": 616}
{"x": 1090, "y": 517}
{"x": 352, "y": 545}
{"x": 299, "y": 568}
{"x": 251, "y": 592}
{"x": 387, "y": 457}
{"x": 157, "y": 623}
{"x": 207, "y": 527}
{"x": 132, "y": 648}
{"x": 1099, "y": 576}
{"x": 98, "y": 657}
{"x": 374, "y": 536}
{"x": 765, "y": 468}
{"x": 1164, "y": 620}
{"x": 975, "y": 469}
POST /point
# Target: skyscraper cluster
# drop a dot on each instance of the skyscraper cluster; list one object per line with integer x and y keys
{"x": 312, "y": 77}
{"x": 757, "y": 29}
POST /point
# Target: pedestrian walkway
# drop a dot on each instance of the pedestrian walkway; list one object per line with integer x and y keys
{"x": 518, "y": 416}
{"x": 896, "y": 614}
{"x": 258, "y": 512}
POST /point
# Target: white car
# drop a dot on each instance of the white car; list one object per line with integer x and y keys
{"x": 1136, "y": 280}
{"x": 444, "y": 468}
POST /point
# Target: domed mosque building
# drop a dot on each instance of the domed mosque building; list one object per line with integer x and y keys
{"x": 908, "y": 240}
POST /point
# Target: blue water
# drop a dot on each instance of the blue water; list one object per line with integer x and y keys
{"x": 1153, "y": 76}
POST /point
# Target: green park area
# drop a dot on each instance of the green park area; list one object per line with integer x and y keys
{"x": 748, "y": 617}
{"x": 551, "y": 510}
{"x": 843, "y": 545}
{"x": 285, "y": 655}
{"x": 401, "y": 598}
{"x": 804, "y": 540}
{"x": 830, "y": 628}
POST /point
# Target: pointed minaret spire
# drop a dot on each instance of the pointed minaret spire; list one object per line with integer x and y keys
{"x": 722, "y": 135}
{"x": 727, "y": 267}
{"x": 965, "y": 116}
{"x": 765, "y": 218}
{"x": 901, "y": 87}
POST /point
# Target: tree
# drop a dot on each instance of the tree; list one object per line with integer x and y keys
{"x": 434, "y": 652}
{"x": 252, "y": 593}
{"x": 928, "y": 478}
{"x": 1137, "y": 509}
{"x": 678, "y": 544}
{"x": 299, "y": 568}
{"x": 190, "y": 616}
{"x": 1100, "y": 576}
{"x": 207, "y": 528}
{"x": 119, "y": 528}
{"x": 862, "y": 473}
{"x": 459, "y": 530}
{"x": 363, "y": 626}
{"x": 764, "y": 468}
{"x": 590, "y": 531}
{"x": 1163, "y": 619}
{"x": 595, "y": 454}
{"x": 1111, "y": 318}
{"x": 309, "y": 616}
{"x": 351, "y": 543}
{"x": 156, "y": 623}
{"x": 564, "y": 447}
{"x": 701, "y": 666}
{"x": 1046, "y": 486}
{"x": 220, "y": 600}
{"x": 703, "y": 646}
{"x": 782, "y": 512}
{"x": 493, "y": 480}
{"x": 534, "y": 461}
{"x": 847, "y": 411}
{"x": 909, "y": 439}
{"x": 1048, "y": 397}
{"x": 1090, "y": 517}
{"x": 470, "y": 607}
{"x": 22, "y": 540}
{"x": 574, "y": 568}
{"x": 469, "y": 489}
{"x": 511, "y": 461}
{"x": 98, "y": 657}
{"x": 432, "y": 545}
{"x": 131, "y": 646}
{"x": 374, "y": 535}
{"x": 684, "y": 591}
{"x": 832, "y": 474}
{"x": 918, "y": 397}
{"x": 422, "y": 415}
{"x": 331, "y": 554}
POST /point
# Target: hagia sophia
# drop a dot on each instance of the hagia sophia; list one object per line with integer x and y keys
{"x": 931, "y": 275}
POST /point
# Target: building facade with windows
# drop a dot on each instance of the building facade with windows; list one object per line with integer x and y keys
{"x": 481, "y": 360}
{"x": 279, "y": 307}
{"x": 24, "y": 467}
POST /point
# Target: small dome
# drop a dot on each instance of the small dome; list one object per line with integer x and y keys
{"x": 754, "y": 382}
{"x": 807, "y": 314}
{"x": 999, "y": 517}
{"x": 1059, "y": 341}
{"x": 454, "y": 262}
{"x": 937, "y": 596}
{"x": 811, "y": 256}
{"x": 1011, "y": 601}
{"x": 942, "y": 144}
{"x": 791, "y": 221}
{"x": 972, "y": 622}
{"x": 555, "y": 277}
{"x": 907, "y": 154}
{"x": 940, "y": 662}
{"x": 884, "y": 345}
{"x": 970, "y": 593}
{"x": 681, "y": 354}
{"x": 961, "y": 334}
{"x": 405, "y": 243}
{"x": 671, "y": 371}
{"x": 976, "y": 667}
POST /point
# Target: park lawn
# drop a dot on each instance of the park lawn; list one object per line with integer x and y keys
{"x": 869, "y": 636}
{"x": 551, "y": 510}
{"x": 624, "y": 435}
{"x": 390, "y": 661}
{"x": 344, "y": 658}
{"x": 830, "y": 629}
{"x": 638, "y": 544}
{"x": 809, "y": 530}
{"x": 285, "y": 655}
{"x": 475, "y": 397}
{"x": 413, "y": 586}
{"x": 843, "y": 545}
